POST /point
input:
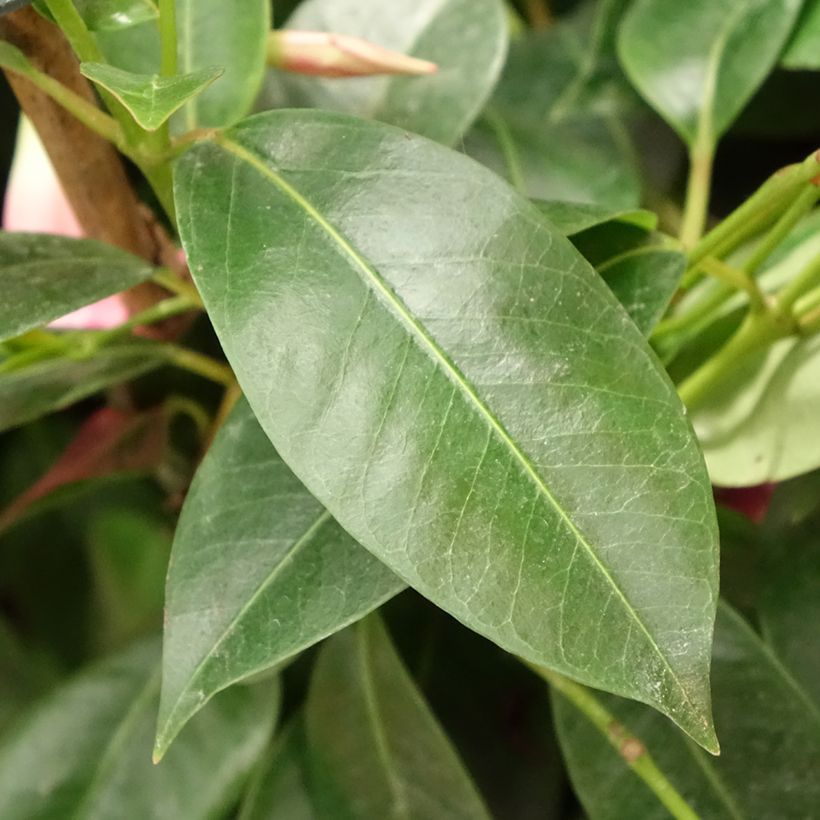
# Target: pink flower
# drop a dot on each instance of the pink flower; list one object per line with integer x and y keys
{"x": 326, "y": 54}
{"x": 36, "y": 202}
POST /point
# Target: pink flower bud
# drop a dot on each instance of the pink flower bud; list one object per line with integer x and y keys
{"x": 325, "y": 54}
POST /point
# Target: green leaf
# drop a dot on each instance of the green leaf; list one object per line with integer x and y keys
{"x": 259, "y": 571}
{"x": 233, "y": 35}
{"x": 463, "y": 393}
{"x": 770, "y": 744}
{"x": 375, "y": 749}
{"x": 150, "y": 98}
{"x": 644, "y": 281}
{"x": 467, "y": 39}
{"x": 575, "y": 217}
{"x": 86, "y": 750}
{"x": 803, "y": 50}
{"x": 45, "y": 277}
{"x": 555, "y": 127}
{"x": 698, "y": 63}
{"x": 279, "y": 788}
{"x": 55, "y": 383}
{"x": 110, "y": 15}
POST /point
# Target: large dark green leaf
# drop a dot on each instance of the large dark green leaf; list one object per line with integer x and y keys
{"x": 463, "y": 393}
{"x": 467, "y": 39}
{"x": 575, "y": 217}
{"x": 45, "y": 277}
{"x": 55, "y": 383}
{"x": 555, "y": 125}
{"x": 150, "y": 98}
{"x": 803, "y": 50}
{"x": 770, "y": 744}
{"x": 375, "y": 750}
{"x": 85, "y": 752}
{"x": 698, "y": 63}
{"x": 231, "y": 36}
{"x": 259, "y": 571}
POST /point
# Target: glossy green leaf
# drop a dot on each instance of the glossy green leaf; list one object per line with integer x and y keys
{"x": 135, "y": 49}
{"x": 555, "y": 127}
{"x": 259, "y": 571}
{"x": 231, "y": 35}
{"x": 150, "y": 98}
{"x": 645, "y": 280}
{"x": 467, "y": 39}
{"x": 790, "y": 600}
{"x": 463, "y": 393}
{"x": 803, "y": 50}
{"x": 85, "y": 751}
{"x": 279, "y": 789}
{"x": 45, "y": 277}
{"x": 698, "y": 63}
{"x": 769, "y": 733}
{"x": 55, "y": 383}
{"x": 110, "y": 15}
{"x": 575, "y": 217}
{"x": 375, "y": 749}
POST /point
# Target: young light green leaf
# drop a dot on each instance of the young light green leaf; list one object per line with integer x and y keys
{"x": 466, "y": 39}
{"x": 279, "y": 789}
{"x": 85, "y": 751}
{"x": 555, "y": 127}
{"x": 644, "y": 281}
{"x": 45, "y": 277}
{"x": 803, "y": 50}
{"x": 463, "y": 393}
{"x": 55, "y": 383}
{"x": 110, "y": 15}
{"x": 150, "y": 98}
{"x": 375, "y": 749}
{"x": 233, "y": 35}
{"x": 575, "y": 217}
{"x": 698, "y": 63}
{"x": 259, "y": 571}
{"x": 770, "y": 744}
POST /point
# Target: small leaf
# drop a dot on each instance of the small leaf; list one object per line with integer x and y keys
{"x": 575, "y": 217}
{"x": 85, "y": 751}
{"x": 375, "y": 750}
{"x": 644, "y": 281}
{"x": 769, "y": 734}
{"x": 803, "y": 50}
{"x": 44, "y": 277}
{"x": 55, "y": 383}
{"x": 233, "y": 35}
{"x": 555, "y": 127}
{"x": 259, "y": 572}
{"x": 698, "y": 63}
{"x": 149, "y": 98}
{"x": 466, "y": 39}
{"x": 463, "y": 393}
{"x": 279, "y": 789}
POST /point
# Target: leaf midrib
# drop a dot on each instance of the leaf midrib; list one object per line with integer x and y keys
{"x": 426, "y": 341}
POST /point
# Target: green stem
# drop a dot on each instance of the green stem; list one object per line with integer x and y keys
{"x": 696, "y": 209}
{"x": 733, "y": 278}
{"x": 156, "y": 313}
{"x": 177, "y": 285}
{"x": 629, "y": 747}
{"x": 759, "y": 329}
{"x": 805, "y": 281}
{"x": 73, "y": 26}
{"x": 202, "y": 365}
{"x": 168, "y": 37}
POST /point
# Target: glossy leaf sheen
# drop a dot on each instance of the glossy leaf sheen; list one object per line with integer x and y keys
{"x": 110, "y": 15}
{"x": 45, "y": 277}
{"x": 452, "y": 380}
{"x": 150, "y": 98}
{"x": 259, "y": 571}
{"x": 85, "y": 752}
{"x": 698, "y": 62}
{"x": 53, "y": 384}
{"x": 574, "y": 217}
{"x": 769, "y": 733}
{"x": 233, "y": 36}
{"x": 374, "y": 748}
{"x": 467, "y": 39}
